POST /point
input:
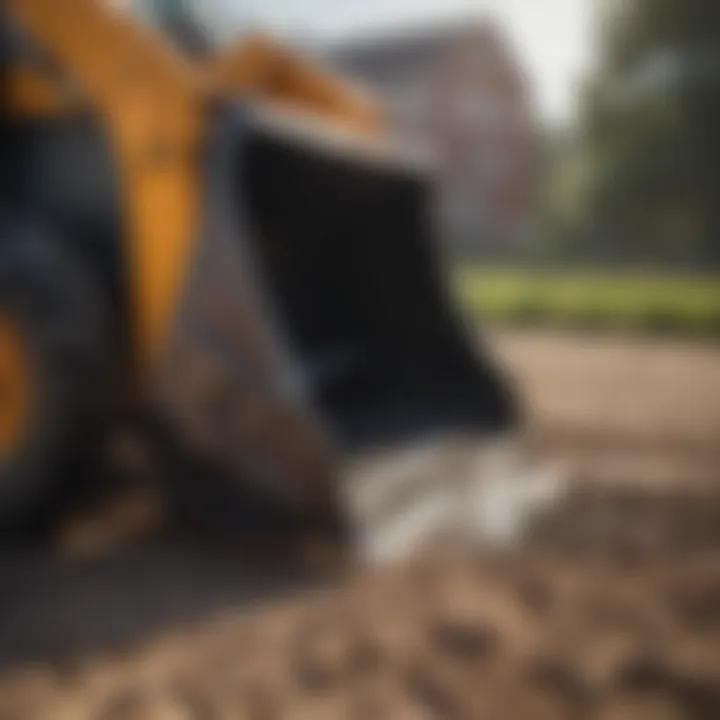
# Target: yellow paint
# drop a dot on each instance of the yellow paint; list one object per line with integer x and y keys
{"x": 153, "y": 100}
{"x": 29, "y": 94}
{"x": 16, "y": 388}
{"x": 150, "y": 100}
{"x": 261, "y": 67}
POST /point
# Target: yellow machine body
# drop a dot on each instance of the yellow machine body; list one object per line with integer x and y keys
{"x": 279, "y": 294}
{"x": 154, "y": 103}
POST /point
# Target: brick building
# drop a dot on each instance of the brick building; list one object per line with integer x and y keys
{"x": 459, "y": 93}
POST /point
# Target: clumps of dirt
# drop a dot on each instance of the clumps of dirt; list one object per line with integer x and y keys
{"x": 610, "y": 610}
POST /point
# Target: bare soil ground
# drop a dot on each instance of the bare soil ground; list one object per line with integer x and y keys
{"x": 609, "y": 609}
{"x": 618, "y": 408}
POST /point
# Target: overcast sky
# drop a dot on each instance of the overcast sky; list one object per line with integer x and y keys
{"x": 553, "y": 37}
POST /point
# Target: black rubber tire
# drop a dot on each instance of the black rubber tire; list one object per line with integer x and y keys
{"x": 62, "y": 316}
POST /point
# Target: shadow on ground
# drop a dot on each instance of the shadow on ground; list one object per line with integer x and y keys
{"x": 55, "y": 610}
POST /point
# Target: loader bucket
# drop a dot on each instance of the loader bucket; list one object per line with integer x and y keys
{"x": 318, "y": 379}
{"x": 344, "y": 240}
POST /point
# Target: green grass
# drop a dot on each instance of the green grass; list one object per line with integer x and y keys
{"x": 588, "y": 300}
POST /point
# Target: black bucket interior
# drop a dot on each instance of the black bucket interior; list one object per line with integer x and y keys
{"x": 344, "y": 244}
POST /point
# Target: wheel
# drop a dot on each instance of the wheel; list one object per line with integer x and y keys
{"x": 55, "y": 374}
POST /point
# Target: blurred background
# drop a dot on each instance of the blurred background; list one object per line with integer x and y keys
{"x": 574, "y": 141}
{"x": 575, "y": 149}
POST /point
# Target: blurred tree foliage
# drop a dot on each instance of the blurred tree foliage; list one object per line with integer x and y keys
{"x": 641, "y": 180}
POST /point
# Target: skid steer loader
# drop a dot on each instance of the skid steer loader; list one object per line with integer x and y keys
{"x": 230, "y": 248}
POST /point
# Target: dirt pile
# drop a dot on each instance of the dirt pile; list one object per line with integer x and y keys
{"x": 612, "y": 610}
{"x": 609, "y": 611}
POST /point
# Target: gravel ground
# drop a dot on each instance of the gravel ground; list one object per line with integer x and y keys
{"x": 610, "y": 608}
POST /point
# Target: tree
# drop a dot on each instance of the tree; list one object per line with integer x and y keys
{"x": 649, "y": 144}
